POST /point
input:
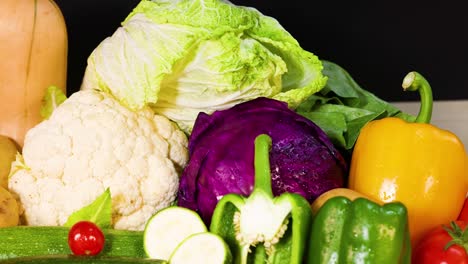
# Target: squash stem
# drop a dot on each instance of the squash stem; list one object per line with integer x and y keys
{"x": 414, "y": 81}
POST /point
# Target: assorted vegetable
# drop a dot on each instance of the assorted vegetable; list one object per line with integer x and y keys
{"x": 34, "y": 56}
{"x": 359, "y": 231}
{"x": 418, "y": 164}
{"x": 262, "y": 228}
{"x": 198, "y": 114}
{"x": 303, "y": 159}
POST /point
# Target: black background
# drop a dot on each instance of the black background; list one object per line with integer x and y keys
{"x": 377, "y": 42}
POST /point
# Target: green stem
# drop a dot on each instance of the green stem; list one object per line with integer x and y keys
{"x": 262, "y": 164}
{"x": 459, "y": 236}
{"x": 414, "y": 81}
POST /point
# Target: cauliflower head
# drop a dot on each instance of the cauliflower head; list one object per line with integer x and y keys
{"x": 92, "y": 142}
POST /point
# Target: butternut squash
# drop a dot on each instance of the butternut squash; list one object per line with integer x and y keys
{"x": 33, "y": 56}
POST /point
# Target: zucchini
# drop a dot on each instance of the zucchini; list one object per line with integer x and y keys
{"x": 65, "y": 259}
{"x": 27, "y": 241}
{"x": 167, "y": 228}
{"x": 203, "y": 247}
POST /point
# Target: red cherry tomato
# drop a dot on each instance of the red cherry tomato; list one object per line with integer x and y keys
{"x": 432, "y": 247}
{"x": 85, "y": 238}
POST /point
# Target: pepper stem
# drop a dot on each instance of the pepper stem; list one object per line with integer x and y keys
{"x": 262, "y": 164}
{"x": 414, "y": 81}
{"x": 458, "y": 235}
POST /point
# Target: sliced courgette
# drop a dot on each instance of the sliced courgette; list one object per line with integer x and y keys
{"x": 167, "y": 228}
{"x": 202, "y": 248}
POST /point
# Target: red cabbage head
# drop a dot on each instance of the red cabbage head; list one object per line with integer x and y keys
{"x": 221, "y": 147}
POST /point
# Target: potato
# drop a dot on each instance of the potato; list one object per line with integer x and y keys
{"x": 8, "y": 150}
{"x": 9, "y": 211}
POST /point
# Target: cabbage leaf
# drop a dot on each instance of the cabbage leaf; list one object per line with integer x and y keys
{"x": 189, "y": 56}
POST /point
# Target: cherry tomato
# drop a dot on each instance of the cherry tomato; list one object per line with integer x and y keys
{"x": 432, "y": 247}
{"x": 85, "y": 238}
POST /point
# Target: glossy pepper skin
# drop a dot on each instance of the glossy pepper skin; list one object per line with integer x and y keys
{"x": 262, "y": 228}
{"x": 359, "y": 231}
{"x": 418, "y": 164}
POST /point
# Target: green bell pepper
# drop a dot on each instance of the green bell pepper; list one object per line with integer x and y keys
{"x": 359, "y": 231}
{"x": 262, "y": 228}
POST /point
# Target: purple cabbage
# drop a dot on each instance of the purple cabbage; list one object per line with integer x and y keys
{"x": 221, "y": 148}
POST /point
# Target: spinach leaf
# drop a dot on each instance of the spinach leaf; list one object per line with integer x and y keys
{"x": 342, "y": 107}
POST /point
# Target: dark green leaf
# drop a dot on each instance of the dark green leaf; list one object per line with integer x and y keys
{"x": 342, "y": 108}
{"x": 333, "y": 124}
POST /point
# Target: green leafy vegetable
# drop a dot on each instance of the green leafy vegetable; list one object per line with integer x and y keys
{"x": 190, "y": 56}
{"x": 53, "y": 98}
{"x": 342, "y": 107}
{"x": 98, "y": 212}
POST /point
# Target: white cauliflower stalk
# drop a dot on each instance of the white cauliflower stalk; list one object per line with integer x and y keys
{"x": 92, "y": 142}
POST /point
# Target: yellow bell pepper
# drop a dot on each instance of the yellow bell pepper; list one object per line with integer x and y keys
{"x": 418, "y": 164}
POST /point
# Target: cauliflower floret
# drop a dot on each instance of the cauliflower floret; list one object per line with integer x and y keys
{"x": 92, "y": 142}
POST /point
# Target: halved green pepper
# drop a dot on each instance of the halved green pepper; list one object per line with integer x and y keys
{"x": 262, "y": 228}
{"x": 359, "y": 231}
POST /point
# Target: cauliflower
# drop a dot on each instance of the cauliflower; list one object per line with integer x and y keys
{"x": 92, "y": 142}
